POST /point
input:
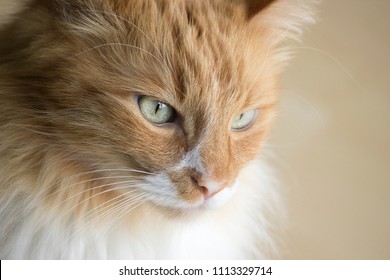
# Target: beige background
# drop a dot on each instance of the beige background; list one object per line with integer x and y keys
{"x": 332, "y": 139}
{"x": 331, "y": 143}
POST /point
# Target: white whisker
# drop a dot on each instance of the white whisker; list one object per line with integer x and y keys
{"x": 124, "y": 212}
{"x": 68, "y": 234}
{"x": 311, "y": 107}
{"x": 119, "y": 205}
{"x": 95, "y": 195}
{"x": 337, "y": 61}
{"x": 111, "y": 208}
{"x": 76, "y": 184}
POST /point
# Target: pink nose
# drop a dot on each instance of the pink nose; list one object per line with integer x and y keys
{"x": 209, "y": 188}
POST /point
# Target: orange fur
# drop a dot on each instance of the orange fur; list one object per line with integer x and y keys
{"x": 69, "y": 74}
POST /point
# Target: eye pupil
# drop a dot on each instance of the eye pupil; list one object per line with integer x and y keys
{"x": 158, "y": 107}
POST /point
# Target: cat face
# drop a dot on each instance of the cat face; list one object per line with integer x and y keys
{"x": 179, "y": 93}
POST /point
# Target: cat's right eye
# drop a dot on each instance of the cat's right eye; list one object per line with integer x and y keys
{"x": 155, "y": 111}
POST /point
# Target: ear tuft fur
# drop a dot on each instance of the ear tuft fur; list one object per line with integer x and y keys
{"x": 288, "y": 17}
{"x": 281, "y": 21}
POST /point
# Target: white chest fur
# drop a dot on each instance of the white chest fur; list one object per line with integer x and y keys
{"x": 238, "y": 230}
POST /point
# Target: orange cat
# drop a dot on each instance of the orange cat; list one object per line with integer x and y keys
{"x": 132, "y": 129}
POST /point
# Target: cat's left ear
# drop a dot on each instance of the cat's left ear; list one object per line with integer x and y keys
{"x": 253, "y": 7}
{"x": 284, "y": 17}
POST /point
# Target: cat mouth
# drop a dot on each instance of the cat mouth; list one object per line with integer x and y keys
{"x": 161, "y": 192}
{"x": 212, "y": 203}
{"x": 202, "y": 205}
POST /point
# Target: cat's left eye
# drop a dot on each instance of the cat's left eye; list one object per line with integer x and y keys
{"x": 156, "y": 111}
{"x": 244, "y": 120}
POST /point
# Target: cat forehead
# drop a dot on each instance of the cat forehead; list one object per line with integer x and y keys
{"x": 190, "y": 53}
{"x": 198, "y": 42}
{"x": 180, "y": 51}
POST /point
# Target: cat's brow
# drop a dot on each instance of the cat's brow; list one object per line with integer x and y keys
{"x": 129, "y": 22}
{"x": 120, "y": 44}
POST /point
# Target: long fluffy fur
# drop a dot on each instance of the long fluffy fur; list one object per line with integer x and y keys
{"x": 83, "y": 175}
{"x": 235, "y": 233}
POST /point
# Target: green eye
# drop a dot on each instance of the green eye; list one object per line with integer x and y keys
{"x": 156, "y": 111}
{"x": 244, "y": 120}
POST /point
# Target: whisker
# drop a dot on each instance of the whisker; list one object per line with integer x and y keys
{"x": 123, "y": 213}
{"x": 337, "y": 61}
{"x": 98, "y": 171}
{"x": 95, "y": 195}
{"x": 76, "y": 184}
{"x": 68, "y": 234}
{"x": 111, "y": 210}
{"x": 311, "y": 106}
{"x": 100, "y": 207}
{"x": 30, "y": 128}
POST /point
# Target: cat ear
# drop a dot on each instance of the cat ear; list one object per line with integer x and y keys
{"x": 271, "y": 25}
{"x": 253, "y": 7}
{"x": 286, "y": 17}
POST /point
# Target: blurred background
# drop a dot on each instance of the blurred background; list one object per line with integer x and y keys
{"x": 331, "y": 142}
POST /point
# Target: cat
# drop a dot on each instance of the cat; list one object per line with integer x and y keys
{"x": 134, "y": 129}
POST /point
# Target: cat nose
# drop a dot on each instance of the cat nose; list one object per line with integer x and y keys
{"x": 208, "y": 188}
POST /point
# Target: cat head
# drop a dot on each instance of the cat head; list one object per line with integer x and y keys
{"x": 179, "y": 93}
